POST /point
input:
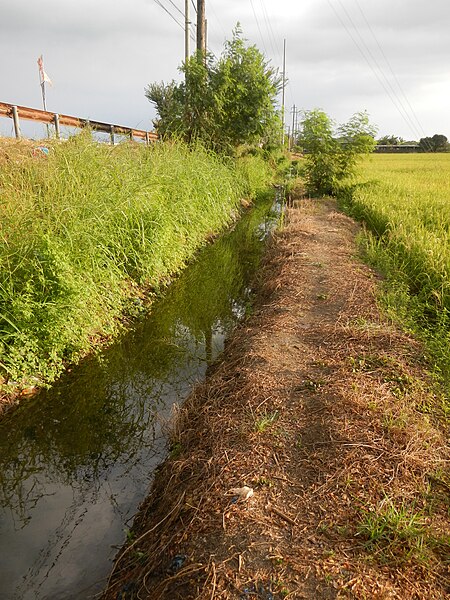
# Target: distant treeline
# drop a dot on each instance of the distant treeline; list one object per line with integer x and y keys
{"x": 392, "y": 143}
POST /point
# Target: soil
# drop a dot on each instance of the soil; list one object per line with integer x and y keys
{"x": 326, "y": 410}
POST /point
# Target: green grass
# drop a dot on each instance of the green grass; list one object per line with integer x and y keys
{"x": 404, "y": 200}
{"x": 265, "y": 421}
{"x": 84, "y": 232}
{"x": 394, "y": 532}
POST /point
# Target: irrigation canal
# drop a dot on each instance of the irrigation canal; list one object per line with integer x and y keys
{"x": 76, "y": 460}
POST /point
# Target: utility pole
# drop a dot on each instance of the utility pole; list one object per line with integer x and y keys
{"x": 186, "y": 30}
{"x": 283, "y": 94}
{"x": 201, "y": 29}
{"x": 293, "y": 127}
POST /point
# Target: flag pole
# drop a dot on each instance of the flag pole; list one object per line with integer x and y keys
{"x": 42, "y": 78}
{"x": 44, "y": 104}
{"x": 43, "y": 95}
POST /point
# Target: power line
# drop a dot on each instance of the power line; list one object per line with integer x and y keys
{"x": 390, "y": 67}
{"x": 277, "y": 46}
{"x": 393, "y": 96}
{"x": 174, "y": 18}
{"x": 259, "y": 28}
{"x": 267, "y": 23}
{"x": 368, "y": 50}
{"x": 176, "y": 8}
{"x": 211, "y": 5}
{"x": 279, "y": 50}
{"x": 169, "y": 13}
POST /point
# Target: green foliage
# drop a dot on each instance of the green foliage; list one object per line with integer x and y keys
{"x": 332, "y": 153}
{"x": 83, "y": 231}
{"x": 224, "y": 103}
{"x": 394, "y": 532}
{"x": 265, "y": 421}
{"x": 390, "y": 140}
{"x": 436, "y": 143}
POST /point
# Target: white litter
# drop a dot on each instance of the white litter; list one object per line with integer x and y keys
{"x": 244, "y": 493}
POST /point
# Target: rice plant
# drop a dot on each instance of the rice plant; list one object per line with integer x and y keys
{"x": 404, "y": 200}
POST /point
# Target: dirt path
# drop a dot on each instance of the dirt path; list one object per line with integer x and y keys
{"x": 323, "y": 409}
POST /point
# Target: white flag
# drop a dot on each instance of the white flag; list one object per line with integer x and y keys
{"x": 43, "y": 75}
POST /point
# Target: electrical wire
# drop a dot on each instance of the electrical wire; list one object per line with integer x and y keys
{"x": 211, "y": 5}
{"x": 390, "y": 67}
{"x": 176, "y": 8}
{"x": 276, "y": 48}
{"x": 259, "y": 28}
{"x": 383, "y": 75}
{"x": 169, "y": 13}
{"x": 272, "y": 39}
{"x": 159, "y": 3}
{"x": 393, "y": 96}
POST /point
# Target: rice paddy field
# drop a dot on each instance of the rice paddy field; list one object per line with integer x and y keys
{"x": 404, "y": 200}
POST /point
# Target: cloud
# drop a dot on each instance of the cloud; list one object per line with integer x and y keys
{"x": 102, "y": 54}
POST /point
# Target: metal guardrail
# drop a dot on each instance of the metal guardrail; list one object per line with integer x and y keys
{"x": 16, "y": 113}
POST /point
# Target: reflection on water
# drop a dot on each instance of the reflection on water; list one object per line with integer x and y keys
{"x": 76, "y": 460}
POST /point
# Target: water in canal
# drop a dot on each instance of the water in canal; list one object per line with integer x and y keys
{"x": 76, "y": 461}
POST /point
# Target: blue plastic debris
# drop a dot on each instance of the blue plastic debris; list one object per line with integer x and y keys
{"x": 126, "y": 590}
{"x": 259, "y": 591}
{"x": 40, "y": 151}
{"x": 176, "y": 563}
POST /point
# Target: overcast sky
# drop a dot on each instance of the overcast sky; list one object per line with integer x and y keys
{"x": 389, "y": 57}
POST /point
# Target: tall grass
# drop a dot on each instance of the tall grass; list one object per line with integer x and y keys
{"x": 85, "y": 229}
{"x": 405, "y": 202}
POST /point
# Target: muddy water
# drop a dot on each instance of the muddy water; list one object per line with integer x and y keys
{"x": 76, "y": 461}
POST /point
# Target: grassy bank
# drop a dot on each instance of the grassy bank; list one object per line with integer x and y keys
{"x": 405, "y": 202}
{"x": 86, "y": 229}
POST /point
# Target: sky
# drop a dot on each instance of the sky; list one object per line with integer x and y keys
{"x": 388, "y": 57}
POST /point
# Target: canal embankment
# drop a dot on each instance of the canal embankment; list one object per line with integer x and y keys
{"x": 90, "y": 233}
{"x": 78, "y": 458}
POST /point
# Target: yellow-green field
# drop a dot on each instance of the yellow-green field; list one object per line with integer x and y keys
{"x": 405, "y": 202}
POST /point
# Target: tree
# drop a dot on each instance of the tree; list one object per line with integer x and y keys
{"x": 390, "y": 140}
{"x": 246, "y": 88}
{"x": 437, "y": 143}
{"x": 333, "y": 152}
{"x": 224, "y": 102}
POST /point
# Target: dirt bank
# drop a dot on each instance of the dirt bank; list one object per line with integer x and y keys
{"x": 326, "y": 411}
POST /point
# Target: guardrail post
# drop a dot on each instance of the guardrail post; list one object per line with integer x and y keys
{"x": 131, "y": 135}
{"x": 57, "y": 131}
{"x": 15, "y": 115}
{"x": 147, "y": 138}
{"x": 111, "y": 135}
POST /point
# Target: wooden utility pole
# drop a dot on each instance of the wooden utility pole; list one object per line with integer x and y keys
{"x": 201, "y": 29}
{"x": 186, "y": 30}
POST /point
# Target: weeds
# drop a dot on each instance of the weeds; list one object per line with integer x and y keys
{"x": 265, "y": 421}
{"x": 84, "y": 232}
{"x": 394, "y": 532}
